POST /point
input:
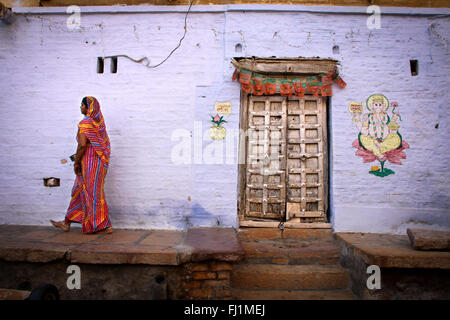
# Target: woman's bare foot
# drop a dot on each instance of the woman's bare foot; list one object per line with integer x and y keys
{"x": 105, "y": 231}
{"x": 61, "y": 225}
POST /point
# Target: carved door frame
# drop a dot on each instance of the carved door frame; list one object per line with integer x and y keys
{"x": 244, "y": 220}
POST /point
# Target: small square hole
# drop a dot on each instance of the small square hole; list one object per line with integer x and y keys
{"x": 51, "y": 182}
{"x": 100, "y": 65}
{"x": 114, "y": 65}
{"x": 414, "y": 65}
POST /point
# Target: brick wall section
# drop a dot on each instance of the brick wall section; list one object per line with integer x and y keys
{"x": 206, "y": 281}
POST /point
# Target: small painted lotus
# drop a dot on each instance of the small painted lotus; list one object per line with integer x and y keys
{"x": 217, "y": 132}
{"x": 217, "y": 120}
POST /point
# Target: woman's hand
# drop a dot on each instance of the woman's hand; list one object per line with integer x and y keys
{"x": 77, "y": 168}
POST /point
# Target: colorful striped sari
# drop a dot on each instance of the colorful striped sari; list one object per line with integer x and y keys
{"x": 88, "y": 203}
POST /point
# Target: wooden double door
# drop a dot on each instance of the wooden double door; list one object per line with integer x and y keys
{"x": 286, "y": 159}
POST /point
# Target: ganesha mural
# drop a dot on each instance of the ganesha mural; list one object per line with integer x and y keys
{"x": 379, "y": 138}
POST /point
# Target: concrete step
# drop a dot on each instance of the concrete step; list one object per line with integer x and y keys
{"x": 247, "y": 234}
{"x": 289, "y": 277}
{"x": 291, "y": 251}
{"x": 267, "y": 294}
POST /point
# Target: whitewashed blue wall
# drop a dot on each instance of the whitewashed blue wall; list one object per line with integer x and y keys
{"x": 46, "y": 69}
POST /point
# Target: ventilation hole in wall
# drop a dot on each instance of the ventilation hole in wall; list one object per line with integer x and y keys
{"x": 238, "y": 48}
{"x": 114, "y": 65}
{"x": 335, "y": 49}
{"x": 160, "y": 279}
{"x": 414, "y": 65}
{"x": 51, "y": 182}
{"x": 100, "y": 65}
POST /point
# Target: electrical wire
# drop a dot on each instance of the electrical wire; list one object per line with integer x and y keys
{"x": 147, "y": 60}
{"x": 179, "y": 43}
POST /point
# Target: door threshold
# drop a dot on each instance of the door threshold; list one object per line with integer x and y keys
{"x": 292, "y": 225}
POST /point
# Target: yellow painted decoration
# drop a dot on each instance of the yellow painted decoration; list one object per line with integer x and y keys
{"x": 223, "y": 107}
{"x": 217, "y": 132}
{"x": 355, "y": 107}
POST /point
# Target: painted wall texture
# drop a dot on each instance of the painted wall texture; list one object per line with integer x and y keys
{"x": 46, "y": 69}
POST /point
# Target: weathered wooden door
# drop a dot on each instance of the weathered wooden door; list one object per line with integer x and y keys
{"x": 286, "y": 167}
{"x": 306, "y": 160}
{"x": 266, "y": 158}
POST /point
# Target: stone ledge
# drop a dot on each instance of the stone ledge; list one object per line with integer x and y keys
{"x": 124, "y": 254}
{"x": 426, "y": 239}
{"x": 151, "y": 247}
{"x": 203, "y": 243}
{"x": 392, "y": 251}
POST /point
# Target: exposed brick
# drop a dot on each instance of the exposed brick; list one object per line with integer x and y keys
{"x": 204, "y": 275}
{"x": 201, "y": 293}
{"x": 221, "y": 266}
{"x": 200, "y": 267}
{"x": 223, "y": 275}
{"x": 192, "y": 284}
{"x": 216, "y": 283}
{"x": 223, "y": 293}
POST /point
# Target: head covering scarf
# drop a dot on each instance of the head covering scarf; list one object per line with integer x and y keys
{"x": 94, "y": 127}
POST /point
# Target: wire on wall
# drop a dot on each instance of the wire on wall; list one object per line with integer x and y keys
{"x": 145, "y": 60}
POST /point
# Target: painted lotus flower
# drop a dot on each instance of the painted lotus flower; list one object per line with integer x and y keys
{"x": 393, "y": 156}
{"x": 217, "y": 120}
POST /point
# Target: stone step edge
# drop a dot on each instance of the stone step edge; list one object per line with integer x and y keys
{"x": 292, "y": 294}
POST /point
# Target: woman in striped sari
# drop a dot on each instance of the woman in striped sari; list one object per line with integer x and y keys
{"x": 88, "y": 203}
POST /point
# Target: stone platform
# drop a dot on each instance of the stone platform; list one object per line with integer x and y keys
{"x": 393, "y": 251}
{"x": 127, "y": 264}
{"x": 405, "y": 273}
{"x": 152, "y": 247}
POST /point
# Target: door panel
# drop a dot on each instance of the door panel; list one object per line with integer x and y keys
{"x": 286, "y": 159}
{"x": 305, "y": 159}
{"x": 266, "y": 158}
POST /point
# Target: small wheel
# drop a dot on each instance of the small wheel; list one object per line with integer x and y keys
{"x": 44, "y": 291}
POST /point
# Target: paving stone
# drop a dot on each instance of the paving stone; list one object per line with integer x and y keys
{"x": 205, "y": 243}
{"x": 72, "y": 237}
{"x": 264, "y": 249}
{"x": 124, "y": 254}
{"x": 40, "y": 235}
{"x": 259, "y": 234}
{"x": 122, "y": 236}
{"x": 8, "y": 231}
{"x": 393, "y": 251}
{"x": 315, "y": 252}
{"x": 22, "y": 251}
{"x": 308, "y": 234}
{"x": 426, "y": 239}
{"x": 248, "y": 234}
{"x": 163, "y": 237}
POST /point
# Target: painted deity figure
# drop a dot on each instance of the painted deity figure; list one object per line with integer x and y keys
{"x": 377, "y": 132}
{"x": 378, "y": 137}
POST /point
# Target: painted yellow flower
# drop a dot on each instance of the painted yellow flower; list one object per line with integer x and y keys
{"x": 374, "y": 168}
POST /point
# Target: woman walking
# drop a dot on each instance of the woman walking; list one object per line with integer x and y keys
{"x": 88, "y": 203}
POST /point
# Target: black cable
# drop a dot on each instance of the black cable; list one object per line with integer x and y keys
{"x": 148, "y": 60}
{"x": 179, "y": 44}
